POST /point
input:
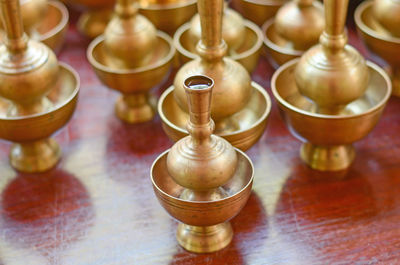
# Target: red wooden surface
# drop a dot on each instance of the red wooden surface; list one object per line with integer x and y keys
{"x": 98, "y": 207}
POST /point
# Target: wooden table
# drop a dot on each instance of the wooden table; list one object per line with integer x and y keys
{"x": 97, "y": 206}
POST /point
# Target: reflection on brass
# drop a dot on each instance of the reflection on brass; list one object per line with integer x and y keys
{"x": 295, "y": 28}
{"x": 131, "y": 57}
{"x": 168, "y": 15}
{"x": 38, "y": 95}
{"x": 244, "y": 39}
{"x": 378, "y": 24}
{"x": 331, "y": 97}
{"x": 95, "y": 16}
{"x": 240, "y": 107}
{"x": 202, "y": 180}
{"x": 387, "y": 13}
{"x": 45, "y": 21}
{"x": 165, "y": 15}
{"x": 92, "y": 23}
{"x": 258, "y": 11}
{"x": 233, "y": 30}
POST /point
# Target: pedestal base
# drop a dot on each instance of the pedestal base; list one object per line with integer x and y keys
{"x": 204, "y": 239}
{"x": 136, "y": 108}
{"x": 33, "y": 157}
{"x": 327, "y": 158}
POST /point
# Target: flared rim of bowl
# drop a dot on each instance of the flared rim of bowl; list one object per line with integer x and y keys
{"x": 62, "y": 23}
{"x": 370, "y": 64}
{"x": 249, "y": 183}
{"x": 266, "y": 3}
{"x": 249, "y": 26}
{"x": 66, "y": 101}
{"x": 96, "y": 64}
{"x": 366, "y": 29}
{"x": 272, "y": 45}
{"x": 262, "y": 118}
{"x": 157, "y": 7}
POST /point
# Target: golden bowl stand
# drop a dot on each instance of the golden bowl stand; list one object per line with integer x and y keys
{"x": 379, "y": 41}
{"x": 280, "y": 49}
{"x": 244, "y": 121}
{"x": 328, "y": 137}
{"x": 136, "y": 103}
{"x": 202, "y": 181}
{"x": 30, "y": 114}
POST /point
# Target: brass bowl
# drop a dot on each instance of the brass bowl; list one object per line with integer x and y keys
{"x": 242, "y": 129}
{"x": 279, "y": 49}
{"x": 203, "y": 213}
{"x": 133, "y": 83}
{"x": 259, "y": 11}
{"x": 379, "y": 41}
{"x": 38, "y": 127}
{"x": 247, "y": 55}
{"x": 168, "y": 17}
{"x": 328, "y": 138}
{"x": 53, "y": 28}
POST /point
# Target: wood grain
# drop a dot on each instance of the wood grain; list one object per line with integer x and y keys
{"x": 97, "y": 207}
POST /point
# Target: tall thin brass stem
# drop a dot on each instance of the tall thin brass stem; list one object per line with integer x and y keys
{"x": 16, "y": 39}
{"x": 335, "y": 16}
{"x": 198, "y": 91}
{"x": 210, "y": 12}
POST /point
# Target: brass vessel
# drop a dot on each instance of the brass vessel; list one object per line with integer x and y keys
{"x": 295, "y": 28}
{"x": 202, "y": 181}
{"x": 131, "y": 57}
{"x": 240, "y": 107}
{"x": 244, "y": 39}
{"x": 331, "y": 97}
{"x": 258, "y": 11}
{"x": 168, "y": 15}
{"x": 45, "y": 21}
{"x": 38, "y": 95}
{"x": 378, "y": 25}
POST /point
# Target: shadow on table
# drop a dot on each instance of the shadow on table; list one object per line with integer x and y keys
{"x": 136, "y": 139}
{"x": 131, "y": 149}
{"x": 249, "y": 227}
{"x": 46, "y": 212}
{"x": 315, "y": 196}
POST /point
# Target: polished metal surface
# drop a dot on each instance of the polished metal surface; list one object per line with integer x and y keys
{"x": 131, "y": 57}
{"x": 38, "y": 95}
{"x": 233, "y": 88}
{"x": 295, "y": 28}
{"x": 331, "y": 97}
{"x": 379, "y": 40}
{"x": 202, "y": 180}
